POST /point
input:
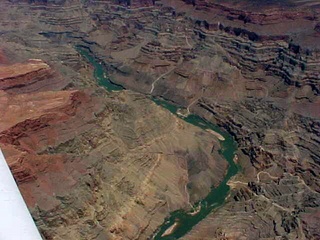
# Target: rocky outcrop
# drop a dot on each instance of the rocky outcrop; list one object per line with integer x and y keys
{"x": 30, "y": 114}
{"x": 258, "y": 12}
{"x": 32, "y": 76}
{"x": 134, "y": 3}
{"x": 272, "y": 207}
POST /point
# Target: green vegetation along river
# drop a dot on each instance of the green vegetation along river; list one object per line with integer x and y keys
{"x": 182, "y": 220}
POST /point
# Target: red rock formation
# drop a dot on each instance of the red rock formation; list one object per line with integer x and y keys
{"x": 41, "y": 177}
{"x": 31, "y": 122}
{"x": 29, "y": 115}
{"x": 3, "y": 59}
{"x": 29, "y": 77}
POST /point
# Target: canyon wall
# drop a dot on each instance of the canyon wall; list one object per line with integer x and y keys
{"x": 84, "y": 157}
{"x": 250, "y": 66}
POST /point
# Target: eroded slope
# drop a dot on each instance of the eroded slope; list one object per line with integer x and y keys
{"x": 250, "y": 66}
{"x": 97, "y": 165}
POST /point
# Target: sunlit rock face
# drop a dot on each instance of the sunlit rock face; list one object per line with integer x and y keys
{"x": 250, "y": 66}
{"x": 31, "y": 76}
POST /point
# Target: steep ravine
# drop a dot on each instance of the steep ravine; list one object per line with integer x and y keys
{"x": 182, "y": 221}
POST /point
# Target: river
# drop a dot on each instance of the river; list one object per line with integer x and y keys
{"x": 181, "y": 222}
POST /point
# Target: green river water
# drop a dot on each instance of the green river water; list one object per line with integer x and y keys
{"x": 217, "y": 195}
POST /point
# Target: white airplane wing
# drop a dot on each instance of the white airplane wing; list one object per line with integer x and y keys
{"x": 16, "y": 222}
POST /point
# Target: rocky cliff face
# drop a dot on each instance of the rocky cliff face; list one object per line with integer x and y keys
{"x": 250, "y": 66}
{"x": 84, "y": 157}
{"x": 32, "y": 76}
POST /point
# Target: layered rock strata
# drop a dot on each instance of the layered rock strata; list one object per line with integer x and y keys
{"x": 250, "y": 66}
{"x": 32, "y": 76}
{"x": 83, "y": 158}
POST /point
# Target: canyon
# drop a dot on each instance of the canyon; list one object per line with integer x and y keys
{"x": 93, "y": 164}
{"x": 83, "y": 157}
